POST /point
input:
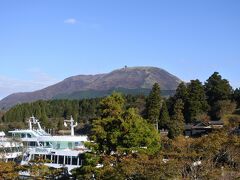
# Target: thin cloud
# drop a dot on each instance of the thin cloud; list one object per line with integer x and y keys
{"x": 38, "y": 81}
{"x": 70, "y": 21}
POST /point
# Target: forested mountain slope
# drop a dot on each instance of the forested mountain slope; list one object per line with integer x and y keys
{"x": 128, "y": 78}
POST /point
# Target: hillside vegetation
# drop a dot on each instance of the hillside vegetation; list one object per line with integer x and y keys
{"x": 125, "y": 139}
{"x": 128, "y": 79}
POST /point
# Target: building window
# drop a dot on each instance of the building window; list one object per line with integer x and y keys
{"x": 54, "y": 159}
{"x": 32, "y": 144}
{"x": 61, "y": 160}
{"x": 68, "y": 160}
{"x": 74, "y": 160}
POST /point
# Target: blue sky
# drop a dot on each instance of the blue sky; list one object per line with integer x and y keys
{"x": 45, "y": 41}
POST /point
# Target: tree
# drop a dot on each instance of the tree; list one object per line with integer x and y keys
{"x": 137, "y": 133}
{"x": 112, "y": 106}
{"x": 154, "y": 104}
{"x": 181, "y": 93}
{"x": 236, "y": 96}
{"x": 9, "y": 170}
{"x": 176, "y": 125}
{"x": 196, "y": 102}
{"x": 222, "y": 108}
{"x": 60, "y": 125}
{"x": 164, "y": 118}
{"x": 217, "y": 89}
{"x": 122, "y": 130}
{"x": 116, "y": 134}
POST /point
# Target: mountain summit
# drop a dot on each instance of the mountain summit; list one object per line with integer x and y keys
{"x": 127, "y": 78}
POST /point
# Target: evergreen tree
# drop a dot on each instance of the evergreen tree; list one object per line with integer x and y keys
{"x": 181, "y": 92}
{"x": 176, "y": 126}
{"x": 85, "y": 110}
{"x": 112, "y": 106}
{"x": 44, "y": 118}
{"x": 236, "y": 96}
{"x": 217, "y": 89}
{"x": 154, "y": 104}
{"x": 37, "y": 111}
{"x": 196, "y": 102}
{"x": 222, "y": 108}
{"x": 60, "y": 124}
{"x": 164, "y": 118}
{"x": 122, "y": 130}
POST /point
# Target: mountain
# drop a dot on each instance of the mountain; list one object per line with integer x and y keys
{"x": 128, "y": 78}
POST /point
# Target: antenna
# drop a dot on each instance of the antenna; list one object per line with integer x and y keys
{"x": 71, "y": 122}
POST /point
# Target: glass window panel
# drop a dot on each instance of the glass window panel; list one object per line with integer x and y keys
{"x": 55, "y": 159}
{"x": 61, "y": 160}
{"x": 65, "y": 160}
{"x": 74, "y": 160}
{"x": 69, "y": 160}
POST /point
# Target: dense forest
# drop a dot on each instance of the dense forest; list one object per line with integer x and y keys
{"x": 194, "y": 101}
{"x": 52, "y": 113}
{"x": 125, "y": 138}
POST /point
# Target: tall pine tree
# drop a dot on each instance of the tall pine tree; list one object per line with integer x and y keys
{"x": 164, "y": 118}
{"x": 176, "y": 126}
{"x": 154, "y": 104}
{"x": 236, "y": 96}
{"x": 196, "y": 102}
{"x": 181, "y": 93}
{"x": 217, "y": 89}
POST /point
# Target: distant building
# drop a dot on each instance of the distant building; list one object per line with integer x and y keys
{"x": 163, "y": 132}
{"x": 202, "y": 128}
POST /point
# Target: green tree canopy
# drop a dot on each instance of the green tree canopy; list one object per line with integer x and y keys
{"x": 154, "y": 104}
{"x": 181, "y": 92}
{"x": 122, "y": 130}
{"x": 164, "y": 118}
{"x": 236, "y": 96}
{"x": 112, "y": 106}
{"x": 196, "y": 102}
{"x": 176, "y": 125}
{"x": 217, "y": 89}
